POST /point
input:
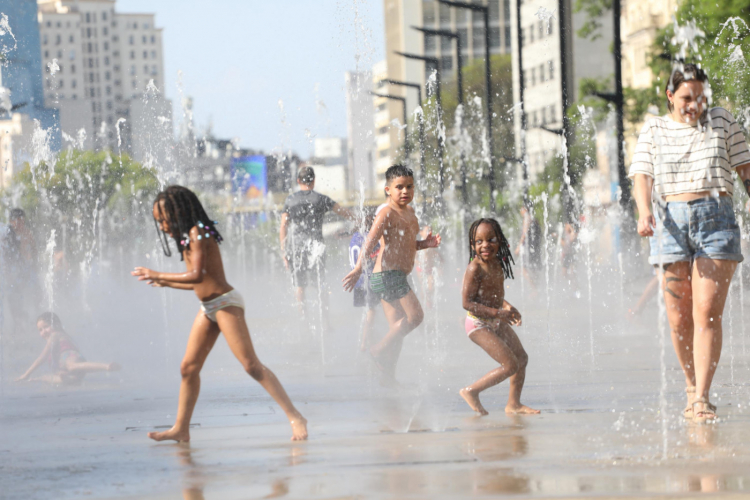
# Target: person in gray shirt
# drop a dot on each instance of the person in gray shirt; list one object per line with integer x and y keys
{"x": 301, "y": 236}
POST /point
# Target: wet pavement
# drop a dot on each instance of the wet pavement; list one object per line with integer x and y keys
{"x": 611, "y": 424}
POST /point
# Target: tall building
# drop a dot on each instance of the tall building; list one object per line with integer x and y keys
{"x": 360, "y": 123}
{"x": 22, "y": 68}
{"x": 400, "y": 18}
{"x": 540, "y": 34}
{"x": 104, "y": 72}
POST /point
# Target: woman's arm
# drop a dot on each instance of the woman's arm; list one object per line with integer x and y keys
{"x": 45, "y": 353}
{"x": 744, "y": 172}
{"x": 193, "y": 276}
{"x": 642, "y": 194}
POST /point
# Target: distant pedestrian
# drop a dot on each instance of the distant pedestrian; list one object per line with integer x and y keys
{"x": 301, "y": 238}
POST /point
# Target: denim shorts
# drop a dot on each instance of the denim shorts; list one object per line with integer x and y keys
{"x": 687, "y": 230}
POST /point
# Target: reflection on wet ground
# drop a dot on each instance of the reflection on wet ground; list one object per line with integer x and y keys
{"x": 602, "y": 432}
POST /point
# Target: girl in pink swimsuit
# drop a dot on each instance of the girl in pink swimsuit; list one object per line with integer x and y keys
{"x": 66, "y": 363}
{"x": 490, "y": 316}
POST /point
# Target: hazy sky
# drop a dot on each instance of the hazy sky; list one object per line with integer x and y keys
{"x": 240, "y": 57}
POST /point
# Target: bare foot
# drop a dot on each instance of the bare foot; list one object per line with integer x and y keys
{"x": 473, "y": 400}
{"x": 519, "y": 409}
{"x": 114, "y": 367}
{"x": 299, "y": 428}
{"x": 171, "y": 434}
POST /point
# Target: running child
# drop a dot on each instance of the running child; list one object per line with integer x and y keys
{"x": 66, "y": 362}
{"x": 178, "y": 213}
{"x": 490, "y": 317}
{"x": 396, "y": 228}
{"x": 363, "y": 296}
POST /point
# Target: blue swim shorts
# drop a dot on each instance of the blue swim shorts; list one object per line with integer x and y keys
{"x": 687, "y": 230}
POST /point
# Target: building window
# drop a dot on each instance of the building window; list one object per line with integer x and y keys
{"x": 135, "y": 84}
{"x": 132, "y": 54}
{"x": 477, "y": 38}
{"x": 382, "y": 106}
{"x": 44, "y": 40}
{"x": 109, "y": 91}
{"x": 46, "y": 54}
{"x": 88, "y": 32}
{"x": 145, "y": 68}
{"x": 58, "y": 40}
{"x": 494, "y": 37}
{"x": 72, "y": 68}
{"x": 49, "y": 24}
{"x": 445, "y": 14}
{"x": 72, "y": 39}
{"x": 523, "y": 37}
{"x": 429, "y": 43}
{"x": 531, "y": 34}
{"x": 107, "y": 75}
{"x": 463, "y": 36}
{"x": 145, "y": 54}
{"x": 551, "y": 72}
{"x": 73, "y": 84}
{"x": 154, "y": 71}
{"x": 144, "y": 40}
{"x": 145, "y": 26}
{"x": 75, "y": 96}
{"x": 104, "y": 16}
{"x": 59, "y": 54}
{"x": 153, "y": 39}
{"x": 446, "y": 44}
{"x": 533, "y": 76}
{"x": 135, "y": 26}
{"x": 106, "y": 45}
{"x": 383, "y": 130}
{"x": 383, "y": 153}
{"x": 541, "y": 73}
{"x": 153, "y": 54}
{"x": 132, "y": 69}
{"x": 132, "y": 40}
{"x": 507, "y": 37}
{"x": 446, "y": 63}
{"x": 428, "y": 12}
{"x": 91, "y": 78}
{"x": 106, "y": 60}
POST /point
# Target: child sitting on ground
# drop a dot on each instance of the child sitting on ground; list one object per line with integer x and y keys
{"x": 65, "y": 360}
{"x": 490, "y": 317}
{"x": 396, "y": 227}
{"x": 178, "y": 213}
{"x": 363, "y": 296}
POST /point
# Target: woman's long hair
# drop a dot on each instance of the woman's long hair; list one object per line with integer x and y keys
{"x": 183, "y": 211}
{"x": 52, "y": 320}
{"x": 503, "y": 254}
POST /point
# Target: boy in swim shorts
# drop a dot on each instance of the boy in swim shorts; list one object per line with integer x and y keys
{"x": 396, "y": 228}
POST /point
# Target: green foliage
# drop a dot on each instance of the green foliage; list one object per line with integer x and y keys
{"x": 84, "y": 192}
{"x": 594, "y": 9}
{"x": 720, "y": 53}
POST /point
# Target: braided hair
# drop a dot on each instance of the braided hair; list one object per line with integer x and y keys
{"x": 503, "y": 255}
{"x": 183, "y": 211}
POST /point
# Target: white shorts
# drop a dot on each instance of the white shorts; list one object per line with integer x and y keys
{"x": 229, "y": 299}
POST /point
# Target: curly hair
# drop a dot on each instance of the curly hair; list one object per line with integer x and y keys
{"x": 503, "y": 254}
{"x": 183, "y": 211}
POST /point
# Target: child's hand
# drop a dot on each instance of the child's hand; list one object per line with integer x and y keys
{"x": 431, "y": 241}
{"x": 510, "y": 316}
{"x": 350, "y": 280}
{"x": 147, "y": 275}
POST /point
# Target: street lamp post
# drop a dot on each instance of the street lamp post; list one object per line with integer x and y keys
{"x": 488, "y": 87}
{"x": 521, "y": 103}
{"x": 423, "y": 187}
{"x": 566, "y": 131}
{"x": 441, "y": 147}
{"x": 406, "y": 129}
{"x": 459, "y": 81}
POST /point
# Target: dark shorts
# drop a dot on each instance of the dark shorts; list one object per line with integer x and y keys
{"x": 687, "y": 230}
{"x": 366, "y": 298}
{"x": 389, "y": 285}
{"x": 307, "y": 270}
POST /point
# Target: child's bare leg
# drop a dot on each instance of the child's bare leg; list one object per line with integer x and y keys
{"x": 202, "y": 338}
{"x": 500, "y": 352}
{"x": 299, "y": 297}
{"x": 403, "y": 316}
{"x": 48, "y": 379}
{"x": 87, "y": 367}
{"x": 367, "y": 329}
{"x": 232, "y": 323}
{"x": 509, "y": 337}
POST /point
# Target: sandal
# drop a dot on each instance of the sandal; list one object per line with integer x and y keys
{"x": 708, "y": 412}
{"x": 688, "y": 411}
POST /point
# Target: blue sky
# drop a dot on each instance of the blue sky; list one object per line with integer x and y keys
{"x": 240, "y": 57}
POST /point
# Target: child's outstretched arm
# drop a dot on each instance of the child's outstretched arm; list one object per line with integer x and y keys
{"x": 431, "y": 241}
{"x": 376, "y": 232}
{"x": 45, "y": 353}
{"x": 182, "y": 281}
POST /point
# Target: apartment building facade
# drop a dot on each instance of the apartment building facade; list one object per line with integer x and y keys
{"x": 100, "y": 67}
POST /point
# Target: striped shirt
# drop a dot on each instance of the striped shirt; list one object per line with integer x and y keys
{"x": 689, "y": 159}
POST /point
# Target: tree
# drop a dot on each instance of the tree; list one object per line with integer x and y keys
{"x": 84, "y": 193}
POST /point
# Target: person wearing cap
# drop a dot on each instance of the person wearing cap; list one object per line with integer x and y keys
{"x": 301, "y": 236}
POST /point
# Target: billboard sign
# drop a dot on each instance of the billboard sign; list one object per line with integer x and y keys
{"x": 250, "y": 176}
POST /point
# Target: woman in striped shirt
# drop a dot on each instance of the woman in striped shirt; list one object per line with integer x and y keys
{"x": 683, "y": 163}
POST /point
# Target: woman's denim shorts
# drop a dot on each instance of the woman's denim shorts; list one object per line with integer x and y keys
{"x": 687, "y": 230}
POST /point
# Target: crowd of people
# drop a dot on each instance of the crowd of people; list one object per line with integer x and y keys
{"x": 682, "y": 172}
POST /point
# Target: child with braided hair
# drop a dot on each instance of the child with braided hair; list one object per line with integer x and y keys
{"x": 178, "y": 213}
{"x": 490, "y": 316}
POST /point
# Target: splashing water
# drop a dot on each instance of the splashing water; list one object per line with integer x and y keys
{"x": 686, "y": 37}
{"x": 546, "y": 16}
{"x": 5, "y": 30}
{"x": 49, "y": 278}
